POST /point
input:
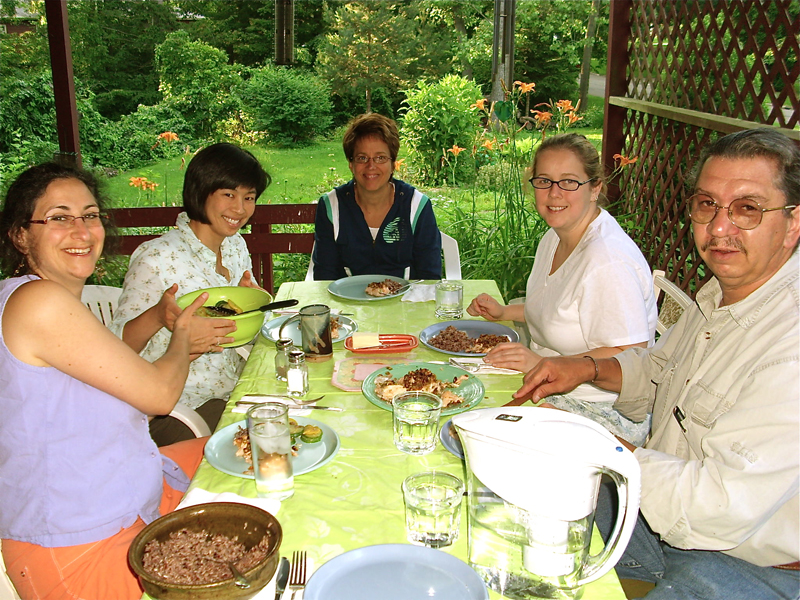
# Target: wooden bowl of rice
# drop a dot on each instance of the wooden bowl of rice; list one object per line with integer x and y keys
{"x": 179, "y": 556}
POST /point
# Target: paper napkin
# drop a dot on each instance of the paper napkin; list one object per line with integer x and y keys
{"x": 420, "y": 292}
{"x": 200, "y": 496}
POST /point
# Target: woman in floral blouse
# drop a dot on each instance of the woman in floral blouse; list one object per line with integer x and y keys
{"x": 205, "y": 250}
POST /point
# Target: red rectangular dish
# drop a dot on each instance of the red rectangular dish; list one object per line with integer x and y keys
{"x": 390, "y": 343}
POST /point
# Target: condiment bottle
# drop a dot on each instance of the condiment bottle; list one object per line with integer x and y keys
{"x": 282, "y": 348}
{"x": 297, "y": 374}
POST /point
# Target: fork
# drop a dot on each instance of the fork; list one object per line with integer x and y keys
{"x": 297, "y": 573}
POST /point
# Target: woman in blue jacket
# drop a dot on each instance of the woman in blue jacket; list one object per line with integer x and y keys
{"x": 375, "y": 224}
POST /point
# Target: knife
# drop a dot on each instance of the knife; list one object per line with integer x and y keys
{"x": 282, "y": 578}
{"x": 298, "y": 406}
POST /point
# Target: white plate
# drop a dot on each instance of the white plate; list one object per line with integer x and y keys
{"x": 220, "y": 451}
{"x": 453, "y": 444}
{"x": 353, "y": 288}
{"x": 271, "y": 329}
{"x": 395, "y": 572}
{"x": 472, "y": 328}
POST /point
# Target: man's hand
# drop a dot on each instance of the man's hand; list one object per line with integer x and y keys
{"x": 555, "y": 376}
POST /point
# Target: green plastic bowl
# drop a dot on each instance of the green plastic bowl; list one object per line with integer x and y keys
{"x": 247, "y": 326}
{"x": 242, "y": 521}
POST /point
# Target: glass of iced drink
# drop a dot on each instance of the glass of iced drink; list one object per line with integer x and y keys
{"x": 433, "y": 508}
{"x": 271, "y": 449}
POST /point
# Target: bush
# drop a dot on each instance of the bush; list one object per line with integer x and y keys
{"x": 291, "y": 107}
{"x": 440, "y": 117}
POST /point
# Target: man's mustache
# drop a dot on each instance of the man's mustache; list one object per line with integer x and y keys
{"x": 723, "y": 243}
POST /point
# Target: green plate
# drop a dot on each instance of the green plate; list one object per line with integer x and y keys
{"x": 471, "y": 389}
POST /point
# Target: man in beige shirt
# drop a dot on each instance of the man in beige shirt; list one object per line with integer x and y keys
{"x": 719, "y": 515}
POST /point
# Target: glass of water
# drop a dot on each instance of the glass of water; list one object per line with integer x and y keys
{"x": 449, "y": 300}
{"x": 433, "y": 508}
{"x": 271, "y": 450}
{"x": 415, "y": 416}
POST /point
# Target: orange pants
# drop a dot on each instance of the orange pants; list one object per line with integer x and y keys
{"x": 96, "y": 571}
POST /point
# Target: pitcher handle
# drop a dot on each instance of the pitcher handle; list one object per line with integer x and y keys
{"x": 285, "y": 323}
{"x": 627, "y": 514}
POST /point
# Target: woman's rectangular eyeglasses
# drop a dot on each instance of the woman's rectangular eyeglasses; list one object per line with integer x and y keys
{"x": 742, "y": 212}
{"x": 568, "y": 185}
{"x": 68, "y": 221}
{"x": 378, "y": 160}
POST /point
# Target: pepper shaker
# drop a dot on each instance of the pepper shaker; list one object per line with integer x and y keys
{"x": 297, "y": 374}
{"x": 282, "y": 348}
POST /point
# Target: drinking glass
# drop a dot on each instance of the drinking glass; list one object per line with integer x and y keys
{"x": 433, "y": 508}
{"x": 415, "y": 417}
{"x": 449, "y": 300}
{"x": 271, "y": 450}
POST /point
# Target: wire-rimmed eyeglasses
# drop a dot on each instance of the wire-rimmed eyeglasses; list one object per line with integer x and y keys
{"x": 95, "y": 219}
{"x": 381, "y": 159}
{"x": 568, "y": 185}
{"x": 742, "y": 212}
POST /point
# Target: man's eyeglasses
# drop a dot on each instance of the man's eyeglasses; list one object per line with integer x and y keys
{"x": 381, "y": 159}
{"x": 68, "y": 221}
{"x": 743, "y": 212}
{"x": 568, "y": 185}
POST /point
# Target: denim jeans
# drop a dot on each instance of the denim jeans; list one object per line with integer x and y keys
{"x": 691, "y": 574}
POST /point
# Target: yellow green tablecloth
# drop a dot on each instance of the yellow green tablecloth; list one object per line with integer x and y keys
{"x": 355, "y": 500}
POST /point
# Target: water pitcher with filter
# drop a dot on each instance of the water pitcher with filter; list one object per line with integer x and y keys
{"x": 533, "y": 475}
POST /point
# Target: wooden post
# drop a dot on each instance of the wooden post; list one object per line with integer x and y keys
{"x": 63, "y": 83}
{"x": 284, "y": 32}
{"x": 619, "y": 31}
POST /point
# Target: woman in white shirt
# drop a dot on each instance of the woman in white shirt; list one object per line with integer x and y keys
{"x": 590, "y": 292}
{"x": 205, "y": 250}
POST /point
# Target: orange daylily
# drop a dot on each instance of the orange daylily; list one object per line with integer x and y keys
{"x": 625, "y": 161}
{"x": 168, "y": 136}
{"x": 542, "y": 117}
{"x": 456, "y": 150}
{"x": 573, "y": 117}
{"x": 565, "y": 105}
{"x": 488, "y": 144}
{"x": 480, "y": 104}
{"x": 525, "y": 87}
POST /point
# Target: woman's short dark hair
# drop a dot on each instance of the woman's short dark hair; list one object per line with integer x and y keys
{"x": 586, "y": 153}
{"x": 20, "y": 204}
{"x": 216, "y": 167}
{"x": 371, "y": 125}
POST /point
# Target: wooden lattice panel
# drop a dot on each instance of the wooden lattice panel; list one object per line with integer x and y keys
{"x": 737, "y": 58}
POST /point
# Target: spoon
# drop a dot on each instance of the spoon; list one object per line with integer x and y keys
{"x": 240, "y": 580}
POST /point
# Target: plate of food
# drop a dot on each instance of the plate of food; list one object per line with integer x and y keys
{"x": 369, "y": 287}
{"x": 341, "y": 328}
{"x": 450, "y": 440}
{"x": 458, "y": 390}
{"x": 466, "y": 338}
{"x": 227, "y": 448}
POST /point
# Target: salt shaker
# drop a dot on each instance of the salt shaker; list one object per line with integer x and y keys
{"x": 282, "y": 348}
{"x": 297, "y": 374}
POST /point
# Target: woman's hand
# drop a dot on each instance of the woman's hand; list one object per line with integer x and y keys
{"x": 487, "y": 307}
{"x": 207, "y": 334}
{"x": 167, "y": 308}
{"x": 512, "y": 355}
{"x": 247, "y": 280}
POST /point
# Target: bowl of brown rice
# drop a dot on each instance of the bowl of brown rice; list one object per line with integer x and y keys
{"x": 185, "y": 554}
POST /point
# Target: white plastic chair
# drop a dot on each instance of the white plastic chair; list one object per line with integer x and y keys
{"x": 7, "y": 589}
{"x": 676, "y": 301}
{"x": 102, "y": 300}
{"x": 452, "y": 259}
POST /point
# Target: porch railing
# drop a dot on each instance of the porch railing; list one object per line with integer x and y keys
{"x": 262, "y": 242}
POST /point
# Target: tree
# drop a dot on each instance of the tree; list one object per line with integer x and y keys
{"x": 113, "y": 50}
{"x": 198, "y": 79}
{"x": 365, "y": 49}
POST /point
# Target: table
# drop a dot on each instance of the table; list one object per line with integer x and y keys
{"x": 356, "y": 499}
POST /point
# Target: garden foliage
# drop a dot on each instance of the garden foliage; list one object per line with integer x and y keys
{"x": 290, "y": 106}
{"x": 438, "y": 117}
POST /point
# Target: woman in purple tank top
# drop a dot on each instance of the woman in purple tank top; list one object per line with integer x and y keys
{"x": 79, "y": 473}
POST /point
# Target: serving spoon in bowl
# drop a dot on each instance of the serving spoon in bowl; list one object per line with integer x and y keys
{"x": 266, "y": 307}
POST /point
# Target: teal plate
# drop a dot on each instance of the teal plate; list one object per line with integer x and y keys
{"x": 471, "y": 389}
{"x": 221, "y": 453}
{"x": 353, "y": 288}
